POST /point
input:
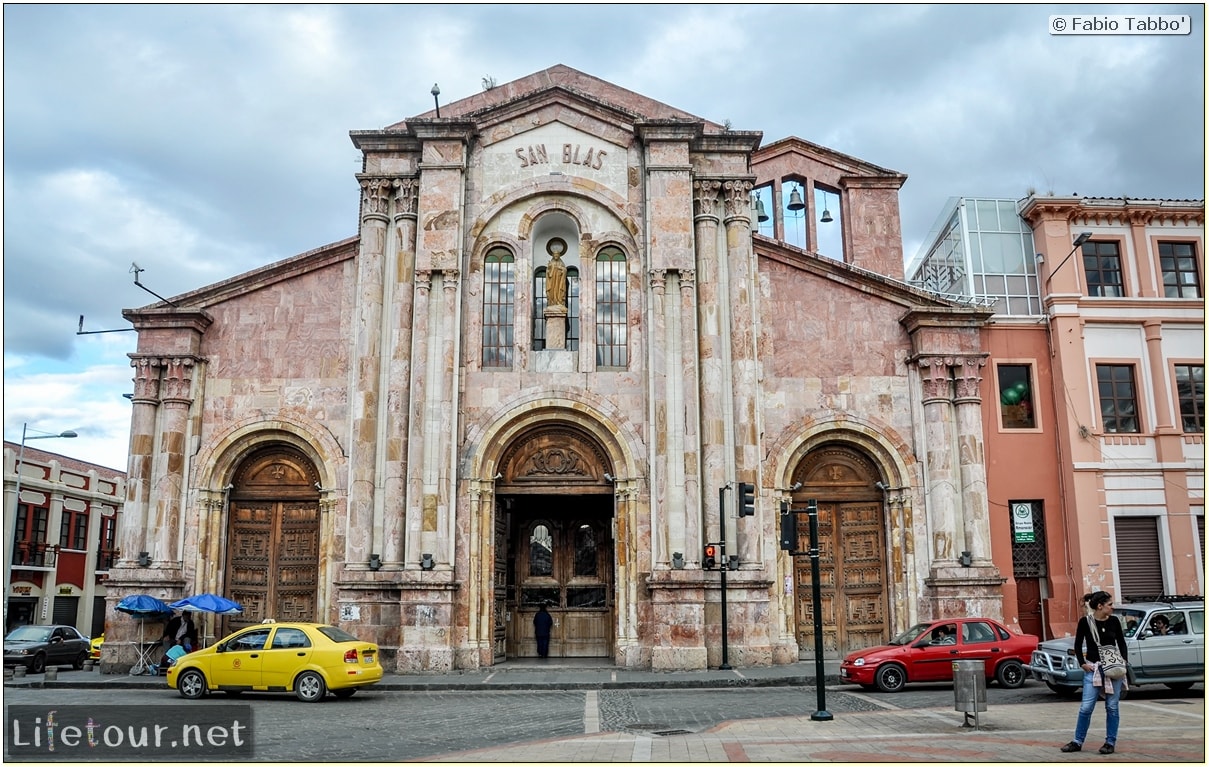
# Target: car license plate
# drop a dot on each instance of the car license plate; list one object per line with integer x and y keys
{"x": 844, "y": 673}
{"x": 369, "y": 658}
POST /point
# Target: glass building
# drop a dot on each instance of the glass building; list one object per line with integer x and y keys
{"x": 980, "y": 249}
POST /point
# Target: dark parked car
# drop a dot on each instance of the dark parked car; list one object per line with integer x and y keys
{"x": 37, "y": 647}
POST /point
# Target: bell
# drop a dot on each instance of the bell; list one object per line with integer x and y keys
{"x": 761, "y": 215}
{"x": 826, "y": 217}
{"x": 795, "y": 201}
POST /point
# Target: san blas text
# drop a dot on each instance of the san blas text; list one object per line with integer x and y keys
{"x": 573, "y": 154}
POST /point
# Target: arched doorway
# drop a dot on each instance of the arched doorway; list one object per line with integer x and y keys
{"x": 554, "y": 545}
{"x": 852, "y": 551}
{"x": 273, "y": 538}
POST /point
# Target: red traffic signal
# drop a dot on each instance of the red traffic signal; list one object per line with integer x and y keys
{"x": 710, "y": 560}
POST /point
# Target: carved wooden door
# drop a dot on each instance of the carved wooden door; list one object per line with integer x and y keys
{"x": 499, "y": 606}
{"x": 852, "y": 577}
{"x": 273, "y": 540}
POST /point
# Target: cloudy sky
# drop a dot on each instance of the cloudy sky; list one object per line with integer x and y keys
{"x": 205, "y": 141}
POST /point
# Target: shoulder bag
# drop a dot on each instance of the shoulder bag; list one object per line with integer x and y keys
{"x": 1112, "y": 665}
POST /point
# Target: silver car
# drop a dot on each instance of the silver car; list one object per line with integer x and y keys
{"x": 1166, "y": 642}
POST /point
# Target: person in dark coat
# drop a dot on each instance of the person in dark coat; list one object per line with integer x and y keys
{"x": 543, "y": 622}
{"x": 181, "y": 629}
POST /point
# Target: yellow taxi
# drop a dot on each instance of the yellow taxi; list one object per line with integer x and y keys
{"x": 95, "y": 647}
{"x": 309, "y": 659}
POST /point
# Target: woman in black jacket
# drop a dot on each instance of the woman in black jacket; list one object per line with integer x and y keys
{"x": 1107, "y": 631}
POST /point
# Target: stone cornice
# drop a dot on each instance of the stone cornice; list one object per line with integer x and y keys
{"x": 1113, "y": 210}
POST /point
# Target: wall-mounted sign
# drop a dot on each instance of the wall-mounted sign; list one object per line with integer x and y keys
{"x": 1022, "y": 523}
{"x": 23, "y": 590}
{"x": 65, "y": 590}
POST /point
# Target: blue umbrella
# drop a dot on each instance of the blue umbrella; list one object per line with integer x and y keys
{"x": 208, "y": 603}
{"x": 143, "y": 606}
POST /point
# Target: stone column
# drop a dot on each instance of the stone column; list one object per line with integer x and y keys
{"x": 397, "y": 375}
{"x": 446, "y": 424}
{"x": 690, "y": 456}
{"x": 943, "y": 498}
{"x": 968, "y": 404}
{"x": 710, "y": 319}
{"x": 745, "y": 401}
{"x": 417, "y": 415}
{"x": 144, "y": 406}
{"x": 170, "y": 469}
{"x": 365, "y": 496}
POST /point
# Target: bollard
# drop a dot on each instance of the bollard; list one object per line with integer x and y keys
{"x": 969, "y": 689}
{"x": 89, "y": 664}
{"x": 18, "y": 672}
{"x": 52, "y": 674}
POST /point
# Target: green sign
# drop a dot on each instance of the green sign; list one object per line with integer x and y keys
{"x": 1022, "y": 523}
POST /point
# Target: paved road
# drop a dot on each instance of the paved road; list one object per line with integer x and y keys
{"x": 624, "y": 724}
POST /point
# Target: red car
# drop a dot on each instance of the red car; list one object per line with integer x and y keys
{"x": 926, "y": 651}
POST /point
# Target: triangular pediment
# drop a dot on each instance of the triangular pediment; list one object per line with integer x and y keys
{"x": 560, "y": 84}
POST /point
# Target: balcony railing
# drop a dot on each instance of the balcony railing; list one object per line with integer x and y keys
{"x": 34, "y": 554}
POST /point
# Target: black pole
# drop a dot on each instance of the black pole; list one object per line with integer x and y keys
{"x": 722, "y": 560}
{"x": 820, "y": 681}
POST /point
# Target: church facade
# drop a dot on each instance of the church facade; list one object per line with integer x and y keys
{"x": 541, "y": 372}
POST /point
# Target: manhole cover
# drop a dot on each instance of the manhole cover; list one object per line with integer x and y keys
{"x": 1174, "y": 702}
{"x": 672, "y": 732}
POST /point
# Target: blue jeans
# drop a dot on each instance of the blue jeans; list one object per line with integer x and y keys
{"x": 1112, "y": 708}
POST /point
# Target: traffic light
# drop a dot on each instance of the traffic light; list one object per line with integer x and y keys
{"x": 710, "y": 560}
{"x": 789, "y": 528}
{"x": 747, "y": 499}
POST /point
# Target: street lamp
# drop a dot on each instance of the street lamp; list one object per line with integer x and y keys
{"x": 10, "y": 528}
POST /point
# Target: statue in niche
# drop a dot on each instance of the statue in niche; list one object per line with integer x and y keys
{"x": 556, "y": 273}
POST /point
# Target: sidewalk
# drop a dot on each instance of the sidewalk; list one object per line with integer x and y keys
{"x": 1152, "y": 730}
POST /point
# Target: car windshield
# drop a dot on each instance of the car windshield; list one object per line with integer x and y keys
{"x": 1131, "y": 619}
{"x": 30, "y": 634}
{"x": 911, "y": 634}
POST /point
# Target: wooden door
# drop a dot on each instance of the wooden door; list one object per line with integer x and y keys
{"x": 852, "y": 578}
{"x": 566, "y": 563}
{"x": 1028, "y": 605}
{"x": 499, "y": 606}
{"x": 273, "y": 541}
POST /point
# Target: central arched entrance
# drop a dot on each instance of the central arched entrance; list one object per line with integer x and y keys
{"x": 554, "y": 545}
{"x": 853, "y": 580}
{"x": 273, "y": 538}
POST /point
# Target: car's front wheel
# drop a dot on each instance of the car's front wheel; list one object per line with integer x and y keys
{"x": 78, "y": 663}
{"x": 1010, "y": 674}
{"x": 891, "y": 678}
{"x": 309, "y": 687}
{"x": 191, "y": 684}
{"x": 38, "y": 664}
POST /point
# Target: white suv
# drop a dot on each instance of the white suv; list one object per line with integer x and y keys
{"x": 1176, "y": 659}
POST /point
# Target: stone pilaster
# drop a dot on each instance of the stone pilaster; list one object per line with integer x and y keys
{"x": 144, "y": 407}
{"x": 690, "y": 457}
{"x": 943, "y": 496}
{"x": 417, "y": 412}
{"x": 177, "y": 396}
{"x": 971, "y": 459}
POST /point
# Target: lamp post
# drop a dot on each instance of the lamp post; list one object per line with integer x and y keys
{"x": 10, "y": 526}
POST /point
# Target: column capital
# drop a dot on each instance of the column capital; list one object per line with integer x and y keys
{"x": 407, "y": 193}
{"x": 934, "y": 374}
{"x": 737, "y": 198}
{"x": 659, "y": 280}
{"x": 375, "y": 196}
{"x": 178, "y": 379}
{"x": 967, "y": 374}
{"x": 706, "y": 199}
{"x": 146, "y": 380}
{"x": 688, "y": 280}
